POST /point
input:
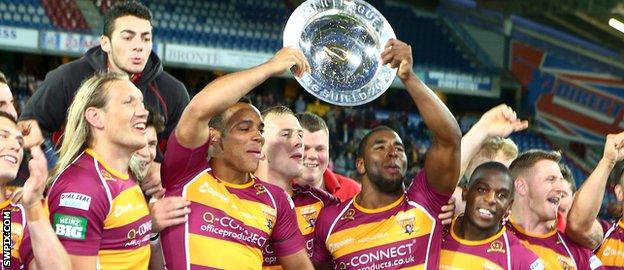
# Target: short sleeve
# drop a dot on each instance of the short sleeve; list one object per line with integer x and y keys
{"x": 77, "y": 213}
{"x": 285, "y": 238}
{"x": 181, "y": 163}
{"x": 584, "y": 258}
{"x": 421, "y": 192}
{"x": 320, "y": 254}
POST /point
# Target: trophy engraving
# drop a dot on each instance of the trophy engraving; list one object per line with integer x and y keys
{"x": 342, "y": 41}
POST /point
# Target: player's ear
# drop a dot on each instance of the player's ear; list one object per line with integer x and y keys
{"x": 215, "y": 137}
{"x": 521, "y": 186}
{"x": 105, "y": 43}
{"x": 94, "y": 117}
{"x": 359, "y": 166}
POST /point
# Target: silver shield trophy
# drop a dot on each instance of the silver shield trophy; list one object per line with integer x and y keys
{"x": 342, "y": 40}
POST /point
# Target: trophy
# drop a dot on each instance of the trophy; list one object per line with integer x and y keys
{"x": 342, "y": 40}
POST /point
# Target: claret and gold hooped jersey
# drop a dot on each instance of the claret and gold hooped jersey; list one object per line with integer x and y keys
{"x": 556, "y": 250}
{"x": 308, "y": 202}
{"x": 611, "y": 251}
{"x": 97, "y": 211}
{"x": 500, "y": 251}
{"x": 229, "y": 225}
{"x": 405, "y": 234}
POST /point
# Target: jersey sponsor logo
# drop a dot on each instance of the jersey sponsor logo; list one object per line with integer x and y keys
{"x": 496, "y": 246}
{"x": 406, "y": 221}
{"x": 119, "y": 210}
{"x": 227, "y": 227}
{"x": 75, "y": 200}
{"x": 610, "y": 251}
{"x": 140, "y": 235}
{"x": 334, "y": 246}
{"x": 206, "y": 188}
{"x": 537, "y": 265}
{"x": 384, "y": 258}
{"x": 72, "y": 227}
{"x": 310, "y": 214}
{"x": 594, "y": 262}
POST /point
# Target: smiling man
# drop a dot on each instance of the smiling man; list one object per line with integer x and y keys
{"x": 125, "y": 47}
{"x": 478, "y": 238}
{"x": 234, "y": 214}
{"x": 539, "y": 185}
{"x": 388, "y": 226}
{"x": 284, "y": 150}
{"x": 96, "y": 208}
{"x": 316, "y": 160}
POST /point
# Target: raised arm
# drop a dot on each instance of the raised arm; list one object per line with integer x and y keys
{"x": 47, "y": 249}
{"x": 192, "y": 130}
{"x": 442, "y": 161}
{"x": 582, "y": 225}
{"x": 498, "y": 121}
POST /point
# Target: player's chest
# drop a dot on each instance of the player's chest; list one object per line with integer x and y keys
{"x": 611, "y": 252}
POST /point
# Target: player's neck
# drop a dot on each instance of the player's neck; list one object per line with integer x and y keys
{"x": 526, "y": 219}
{"x": 371, "y": 198}
{"x": 114, "y": 156}
{"x": 226, "y": 173}
{"x": 317, "y": 183}
{"x": 276, "y": 178}
{"x": 114, "y": 68}
{"x": 469, "y": 231}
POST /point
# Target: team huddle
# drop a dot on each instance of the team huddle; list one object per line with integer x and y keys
{"x": 147, "y": 178}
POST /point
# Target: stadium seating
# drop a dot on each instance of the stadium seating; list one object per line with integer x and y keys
{"x": 529, "y": 140}
{"x": 255, "y": 25}
{"x": 24, "y": 13}
{"x": 431, "y": 43}
{"x": 65, "y": 15}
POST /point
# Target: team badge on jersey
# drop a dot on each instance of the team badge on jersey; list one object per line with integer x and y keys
{"x": 106, "y": 175}
{"x": 406, "y": 221}
{"x": 496, "y": 246}
{"x": 270, "y": 215}
{"x": 260, "y": 189}
{"x": 310, "y": 214}
{"x": 565, "y": 263}
{"x": 350, "y": 215}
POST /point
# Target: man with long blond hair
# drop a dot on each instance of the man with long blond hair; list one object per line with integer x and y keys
{"x": 97, "y": 210}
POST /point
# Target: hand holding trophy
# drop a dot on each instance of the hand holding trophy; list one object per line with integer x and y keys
{"x": 343, "y": 41}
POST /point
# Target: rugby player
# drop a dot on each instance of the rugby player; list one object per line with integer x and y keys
{"x": 478, "y": 239}
{"x": 386, "y": 225}
{"x": 97, "y": 209}
{"x": 486, "y": 141}
{"x": 167, "y": 211}
{"x": 233, "y": 213}
{"x": 539, "y": 185}
{"x": 284, "y": 148}
{"x": 606, "y": 238}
